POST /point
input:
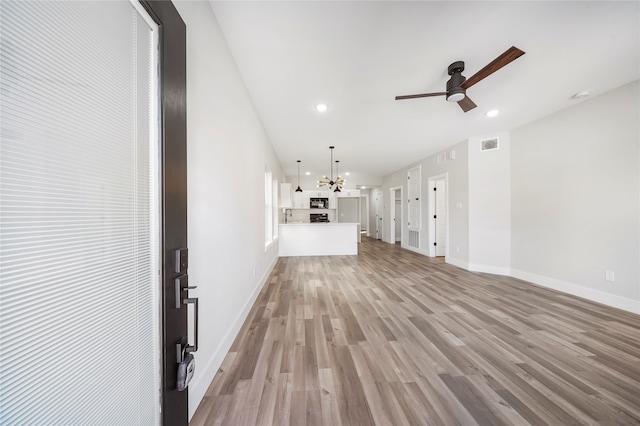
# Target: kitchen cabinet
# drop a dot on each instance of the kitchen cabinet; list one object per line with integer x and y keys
{"x": 285, "y": 195}
{"x": 348, "y": 193}
{"x": 302, "y": 200}
{"x": 332, "y": 199}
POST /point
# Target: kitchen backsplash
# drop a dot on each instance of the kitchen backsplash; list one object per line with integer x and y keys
{"x": 302, "y": 215}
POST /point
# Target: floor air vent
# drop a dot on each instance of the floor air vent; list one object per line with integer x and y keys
{"x": 414, "y": 239}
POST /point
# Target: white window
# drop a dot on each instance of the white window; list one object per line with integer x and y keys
{"x": 268, "y": 208}
{"x": 274, "y": 208}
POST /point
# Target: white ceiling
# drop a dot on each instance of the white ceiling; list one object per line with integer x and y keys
{"x": 356, "y": 56}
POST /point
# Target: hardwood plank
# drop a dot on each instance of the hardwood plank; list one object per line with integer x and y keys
{"x": 392, "y": 337}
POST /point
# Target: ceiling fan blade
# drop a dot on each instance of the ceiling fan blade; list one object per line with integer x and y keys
{"x": 467, "y": 104}
{"x": 424, "y": 95}
{"x": 507, "y": 57}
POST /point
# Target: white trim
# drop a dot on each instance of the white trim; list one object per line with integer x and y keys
{"x": 201, "y": 381}
{"x": 597, "y": 296}
{"x": 580, "y": 291}
{"x": 431, "y": 183}
{"x": 392, "y": 214}
{"x": 414, "y": 249}
{"x": 366, "y": 203}
{"x": 489, "y": 269}
{"x": 456, "y": 262}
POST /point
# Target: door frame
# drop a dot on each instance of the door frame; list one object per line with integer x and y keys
{"x": 392, "y": 214}
{"x": 379, "y": 214}
{"x": 366, "y": 212}
{"x": 173, "y": 166}
{"x": 431, "y": 184}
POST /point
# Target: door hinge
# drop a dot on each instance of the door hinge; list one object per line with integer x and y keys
{"x": 435, "y": 216}
{"x": 435, "y": 244}
{"x": 435, "y": 189}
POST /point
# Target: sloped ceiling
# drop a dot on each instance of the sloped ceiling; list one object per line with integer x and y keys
{"x": 356, "y": 56}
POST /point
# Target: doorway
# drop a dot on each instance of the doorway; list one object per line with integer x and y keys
{"x": 364, "y": 215}
{"x": 378, "y": 200}
{"x": 438, "y": 215}
{"x": 396, "y": 215}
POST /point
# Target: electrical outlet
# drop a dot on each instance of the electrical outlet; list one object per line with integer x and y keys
{"x": 610, "y": 276}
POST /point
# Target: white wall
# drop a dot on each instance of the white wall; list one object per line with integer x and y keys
{"x": 227, "y": 153}
{"x": 490, "y": 205}
{"x": 575, "y": 198}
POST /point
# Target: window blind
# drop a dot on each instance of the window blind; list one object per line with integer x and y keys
{"x": 79, "y": 234}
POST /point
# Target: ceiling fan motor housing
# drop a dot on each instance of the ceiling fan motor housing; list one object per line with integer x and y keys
{"x": 455, "y": 92}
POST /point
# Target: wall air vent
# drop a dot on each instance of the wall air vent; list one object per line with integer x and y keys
{"x": 489, "y": 144}
{"x": 414, "y": 239}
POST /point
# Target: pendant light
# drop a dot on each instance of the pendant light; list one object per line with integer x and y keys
{"x": 338, "y": 179}
{"x": 298, "y": 189}
{"x": 328, "y": 181}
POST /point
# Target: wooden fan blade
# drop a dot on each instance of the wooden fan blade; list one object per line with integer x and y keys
{"x": 424, "y": 95}
{"x": 467, "y": 104}
{"x": 507, "y": 57}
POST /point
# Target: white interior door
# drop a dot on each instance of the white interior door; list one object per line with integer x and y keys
{"x": 378, "y": 215}
{"x": 398, "y": 221}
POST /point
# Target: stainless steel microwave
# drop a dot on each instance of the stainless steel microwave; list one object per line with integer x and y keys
{"x": 319, "y": 203}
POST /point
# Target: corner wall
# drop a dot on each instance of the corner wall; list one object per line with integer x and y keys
{"x": 490, "y": 205}
{"x": 227, "y": 154}
{"x": 575, "y": 199}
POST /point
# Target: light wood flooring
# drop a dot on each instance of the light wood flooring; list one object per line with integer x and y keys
{"x": 390, "y": 337}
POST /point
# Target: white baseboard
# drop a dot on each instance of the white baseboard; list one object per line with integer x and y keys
{"x": 609, "y": 299}
{"x": 414, "y": 249}
{"x": 488, "y": 269}
{"x": 457, "y": 262}
{"x": 198, "y": 387}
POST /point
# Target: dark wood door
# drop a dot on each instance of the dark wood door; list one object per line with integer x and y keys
{"x": 174, "y": 198}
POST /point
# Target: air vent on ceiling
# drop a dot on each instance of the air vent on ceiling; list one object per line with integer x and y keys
{"x": 489, "y": 144}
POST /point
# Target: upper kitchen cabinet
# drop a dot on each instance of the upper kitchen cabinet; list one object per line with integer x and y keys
{"x": 348, "y": 193}
{"x": 285, "y": 195}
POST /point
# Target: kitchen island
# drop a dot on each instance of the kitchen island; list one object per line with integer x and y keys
{"x": 318, "y": 239}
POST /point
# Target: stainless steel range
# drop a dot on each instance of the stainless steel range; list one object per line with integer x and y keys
{"x": 318, "y": 217}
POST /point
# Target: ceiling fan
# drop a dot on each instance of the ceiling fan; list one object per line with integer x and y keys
{"x": 458, "y": 84}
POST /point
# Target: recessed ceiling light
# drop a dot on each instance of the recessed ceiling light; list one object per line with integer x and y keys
{"x": 308, "y": 173}
{"x": 321, "y": 107}
{"x": 581, "y": 95}
{"x": 363, "y": 187}
{"x": 347, "y": 173}
{"x": 492, "y": 113}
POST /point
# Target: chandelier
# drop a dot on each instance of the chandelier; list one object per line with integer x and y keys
{"x": 328, "y": 181}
